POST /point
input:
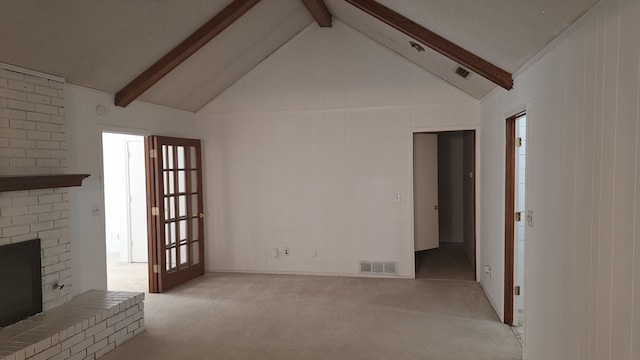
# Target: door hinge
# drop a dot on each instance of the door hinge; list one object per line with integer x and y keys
{"x": 155, "y": 211}
{"x": 155, "y": 269}
{"x": 519, "y": 216}
{"x": 519, "y": 142}
{"x": 153, "y": 153}
{"x": 516, "y": 290}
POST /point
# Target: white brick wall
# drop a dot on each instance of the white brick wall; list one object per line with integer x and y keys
{"x": 32, "y": 133}
{"x": 33, "y": 141}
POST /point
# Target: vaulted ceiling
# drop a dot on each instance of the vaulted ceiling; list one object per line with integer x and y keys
{"x": 105, "y": 45}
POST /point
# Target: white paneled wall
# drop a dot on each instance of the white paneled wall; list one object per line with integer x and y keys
{"x": 308, "y": 150}
{"x": 583, "y": 253}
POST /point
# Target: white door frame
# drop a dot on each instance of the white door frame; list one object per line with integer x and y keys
{"x": 437, "y": 129}
{"x": 129, "y": 197}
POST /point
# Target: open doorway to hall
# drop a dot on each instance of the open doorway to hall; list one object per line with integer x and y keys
{"x": 125, "y": 212}
{"x": 444, "y": 205}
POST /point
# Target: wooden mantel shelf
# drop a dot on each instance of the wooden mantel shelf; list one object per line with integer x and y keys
{"x": 29, "y": 182}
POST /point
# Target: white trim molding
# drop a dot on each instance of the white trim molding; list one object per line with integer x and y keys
{"x": 31, "y": 72}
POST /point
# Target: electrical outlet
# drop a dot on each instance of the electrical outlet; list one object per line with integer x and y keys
{"x": 95, "y": 210}
{"x": 487, "y": 270}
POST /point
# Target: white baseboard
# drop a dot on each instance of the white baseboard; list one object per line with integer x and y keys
{"x": 309, "y": 273}
{"x": 493, "y": 305}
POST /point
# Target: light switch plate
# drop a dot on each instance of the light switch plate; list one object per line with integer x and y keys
{"x": 530, "y": 218}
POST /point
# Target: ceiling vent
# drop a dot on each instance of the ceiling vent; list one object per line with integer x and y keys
{"x": 464, "y": 73}
{"x": 416, "y": 46}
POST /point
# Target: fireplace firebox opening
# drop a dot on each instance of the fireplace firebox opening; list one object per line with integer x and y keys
{"x": 20, "y": 281}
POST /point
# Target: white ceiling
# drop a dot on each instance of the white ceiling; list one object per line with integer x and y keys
{"x": 106, "y": 44}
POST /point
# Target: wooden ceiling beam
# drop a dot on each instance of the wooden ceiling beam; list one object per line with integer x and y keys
{"x": 183, "y": 51}
{"x": 436, "y": 42}
{"x": 318, "y": 9}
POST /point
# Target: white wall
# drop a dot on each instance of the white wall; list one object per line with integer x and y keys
{"x": 583, "y": 253}
{"x": 308, "y": 149}
{"x": 84, "y": 129}
{"x": 114, "y": 172}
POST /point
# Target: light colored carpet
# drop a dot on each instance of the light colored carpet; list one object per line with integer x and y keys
{"x": 122, "y": 276}
{"x": 248, "y": 316}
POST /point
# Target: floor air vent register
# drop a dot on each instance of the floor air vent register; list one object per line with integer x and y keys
{"x": 379, "y": 267}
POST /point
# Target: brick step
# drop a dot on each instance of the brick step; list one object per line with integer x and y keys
{"x": 87, "y": 327}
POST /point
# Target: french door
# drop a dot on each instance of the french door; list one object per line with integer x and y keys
{"x": 514, "y": 234}
{"x": 175, "y": 216}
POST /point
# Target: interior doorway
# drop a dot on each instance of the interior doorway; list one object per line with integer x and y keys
{"x": 444, "y": 205}
{"x": 515, "y": 220}
{"x": 125, "y": 211}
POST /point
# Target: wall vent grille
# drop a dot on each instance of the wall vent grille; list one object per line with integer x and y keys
{"x": 464, "y": 73}
{"x": 379, "y": 267}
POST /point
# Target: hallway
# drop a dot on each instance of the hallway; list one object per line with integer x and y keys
{"x": 448, "y": 262}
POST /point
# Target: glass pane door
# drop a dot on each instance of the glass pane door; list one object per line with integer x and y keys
{"x": 179, "y": 245}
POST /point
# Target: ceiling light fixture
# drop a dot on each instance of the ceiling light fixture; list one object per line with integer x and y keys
{"x": 416, "y": 46}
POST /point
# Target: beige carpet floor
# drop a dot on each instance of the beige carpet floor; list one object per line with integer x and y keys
{"x": 245, "y": 316}
{"x": 122, "y": 276}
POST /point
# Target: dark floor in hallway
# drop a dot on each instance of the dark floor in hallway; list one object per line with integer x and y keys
{"x": 448, "y": 262}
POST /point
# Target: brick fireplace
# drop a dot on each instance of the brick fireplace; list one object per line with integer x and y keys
{"x": 34, "y": 204}
{"x": 33, "y": 141}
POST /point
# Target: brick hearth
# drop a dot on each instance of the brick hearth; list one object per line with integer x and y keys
{"x": 88, "y": 326}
